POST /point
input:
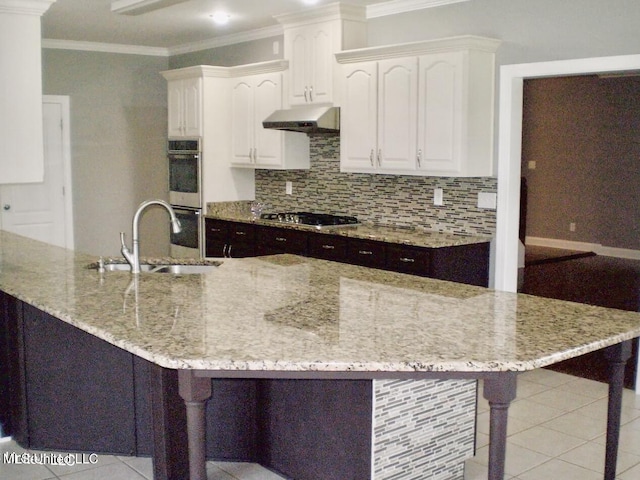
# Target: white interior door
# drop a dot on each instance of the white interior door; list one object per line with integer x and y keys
{"x": 43, "y": 210}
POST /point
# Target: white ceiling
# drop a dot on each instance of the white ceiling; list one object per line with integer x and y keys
{"x": 179, "y": 25}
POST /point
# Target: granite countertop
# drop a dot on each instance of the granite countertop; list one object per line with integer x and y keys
{"x": 239, "y": 212}
{"x": 289, "y": 313}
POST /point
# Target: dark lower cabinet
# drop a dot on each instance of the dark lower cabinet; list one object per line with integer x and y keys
{"x": 408, "y": 259}
{"x": 463, "y": 264}
{"x": 229, "y": 239}
{"x": 366, "y": 253}
{"x": 273, "y": 240}
{"x": 328, "y": 247}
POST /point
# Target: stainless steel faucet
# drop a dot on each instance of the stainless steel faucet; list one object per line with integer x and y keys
{"x": 134, "y": 257}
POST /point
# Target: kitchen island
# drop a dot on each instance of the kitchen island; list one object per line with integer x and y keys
{"x": 288, "y": 317}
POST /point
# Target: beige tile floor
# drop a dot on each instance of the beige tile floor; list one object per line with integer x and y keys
{"x": 556, "y": 431}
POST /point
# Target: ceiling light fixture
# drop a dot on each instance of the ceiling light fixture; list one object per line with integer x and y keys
{"x": 220, "y": 18}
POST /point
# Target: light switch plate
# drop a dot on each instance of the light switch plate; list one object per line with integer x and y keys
{"x": 487, "y": 200}
{"x": 288, "y": 187}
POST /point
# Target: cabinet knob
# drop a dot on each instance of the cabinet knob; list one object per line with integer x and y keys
{"x": 6, "y": 206}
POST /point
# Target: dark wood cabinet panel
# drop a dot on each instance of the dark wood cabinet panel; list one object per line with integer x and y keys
{"x": 274, "y": 240}
{"x": 409, "y": 259}
{"x": 328, "y": 247}
{"x": 463, "y": 264}
{"x": 80, "y": 393}
{"x": 366, "y": 253}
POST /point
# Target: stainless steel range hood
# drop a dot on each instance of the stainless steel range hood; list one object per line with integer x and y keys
{"x": 306, "y": 119}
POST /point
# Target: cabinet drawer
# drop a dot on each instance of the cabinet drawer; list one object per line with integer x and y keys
{"x": 366, "y": 253}
{"x": 273, "y": 240}
{"x": 328, "y": 247}
{"x": 408, "y": 259}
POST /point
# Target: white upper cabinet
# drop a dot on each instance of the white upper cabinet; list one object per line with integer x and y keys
{"x": 310, "y": 52}
{"x": 434, "y": 108}
{"x": 21, "y": 132}
{"x": 185, "y": 107}
{"x": 378, "y": 116}
{"x": 311, "y": 38}
{"x": 254, "y": 98}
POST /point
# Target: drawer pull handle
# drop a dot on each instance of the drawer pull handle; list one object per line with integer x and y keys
{"x": 365, "y": 252}
{"x": 281, "y": 239}
{"x": 407, "y": 260}
{"x": 328, "y": 247}
{"x": 215, "y": 230}
{"x": 241, "y": 233}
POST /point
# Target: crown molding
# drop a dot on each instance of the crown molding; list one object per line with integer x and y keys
{"x": 232, "y": 39}
{"x": 104, "y": 47}
{"x": 462, "y": 42}
{"x": 394, "y": 7}
{"x": 25, "y": 7}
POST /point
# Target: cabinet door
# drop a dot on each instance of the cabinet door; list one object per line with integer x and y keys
{"x": 310, "y": 52}
{"x": 242, "y": 122}
{"x": 358, "y": 117}
{"x": 298, "y": 54}
{"x": 267, "y": 99}
{"x": 175, "y": 106}
{"x": 440, "y": 116}
{"x": 397, "y": 112}
{"x": 242, "y": 240}
{"x": 216, "y": 237}
{"x": 192, "y": 107}
{"x": 321, "y": 64}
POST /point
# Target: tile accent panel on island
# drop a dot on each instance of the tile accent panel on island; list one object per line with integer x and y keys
{"x": 400, "y": 200}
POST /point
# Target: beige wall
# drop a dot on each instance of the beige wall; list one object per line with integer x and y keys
{"x": 584, "y": 135}
{"x": 118, "y": 136}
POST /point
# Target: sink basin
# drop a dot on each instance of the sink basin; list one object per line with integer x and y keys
{"x": 176, "y": 269}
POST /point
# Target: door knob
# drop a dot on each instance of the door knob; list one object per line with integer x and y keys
{"x": 7, "y": 206}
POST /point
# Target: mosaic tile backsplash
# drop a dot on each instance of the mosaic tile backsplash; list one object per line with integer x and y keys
{"x": 423, "y": 428}
{"x": 404, "y": 201}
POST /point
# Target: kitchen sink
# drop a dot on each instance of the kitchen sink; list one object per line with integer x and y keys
{"x": 173, "y": 268}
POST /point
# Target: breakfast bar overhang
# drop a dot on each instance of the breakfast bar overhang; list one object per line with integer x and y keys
{"x": 288, "y": 317}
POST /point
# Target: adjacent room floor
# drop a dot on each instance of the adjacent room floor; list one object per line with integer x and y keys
{"x": 556, "y": 431}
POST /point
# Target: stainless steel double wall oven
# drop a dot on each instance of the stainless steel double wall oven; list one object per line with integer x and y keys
{"x": 185, "y": 196}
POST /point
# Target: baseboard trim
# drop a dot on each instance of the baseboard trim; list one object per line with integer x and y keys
{"x": 596, "y": 248}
